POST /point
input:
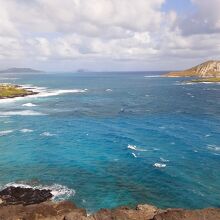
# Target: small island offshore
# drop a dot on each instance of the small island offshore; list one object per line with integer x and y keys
{"x": 14, "y": 91}
{"x": 17, "y": 203}
{"x": 206, "y": 72}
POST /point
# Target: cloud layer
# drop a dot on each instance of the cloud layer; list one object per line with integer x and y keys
{"x": 107, "y": 34}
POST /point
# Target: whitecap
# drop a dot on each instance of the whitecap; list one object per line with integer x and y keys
{"x": 58, "y": 191}
{"x": 163, "y": 160}
{"x": 108, "y": 90}
{"x": 133, "y": 147}
{"x": 134, "y": 155}
{"x": 22, "y": 113}
{"x": 7, "y": 78}
{"x": 160, "y": 165}
{"x": 29, "y": 104}
{"x": 6, "y": 132}
{"x": 47, "y": 134}
{"x": 213, "y": 148}
{"x": 26, "y": 130}
{"x": 153, "y": 76}
{"x": 49, "y": 93}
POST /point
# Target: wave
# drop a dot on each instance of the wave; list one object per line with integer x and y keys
{"x": 58, "y": 191}
{"x": 29, "y": 104}
{"x": 4, "y": 133}
{"x": 22, "y": 113}
{"x": 153, "y": 76}
{"x": 134, "y": 155}
{"x": 133, "y": 147}
{"x": 42, "y": 93}
{"x": 160, "y": 165}
{"x": 163, "y": 160}
{"x": 213, "y": 148}
{"x": 26, "y": 130}
{"x": 108, "y": 90}
{"x": 7, "y": 78}
{"x": 48, "y": 134}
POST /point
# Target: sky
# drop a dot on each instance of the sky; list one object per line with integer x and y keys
{"x": 108, "y": 35}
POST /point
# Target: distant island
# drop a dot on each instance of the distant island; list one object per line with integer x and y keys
{"x": 206, "y": 72}
{"x": 20, "y": 70}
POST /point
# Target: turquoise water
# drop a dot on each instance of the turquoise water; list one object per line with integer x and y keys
{"x": 109, "y": 139}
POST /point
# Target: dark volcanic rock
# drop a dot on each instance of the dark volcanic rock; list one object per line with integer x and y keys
{"x": 25, "y": 196}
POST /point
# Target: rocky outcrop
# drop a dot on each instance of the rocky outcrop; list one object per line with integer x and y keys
{"x": 207, "y": 69}
{"x": 26, "y": 196}
{"x": 13, "y": 91}
{"x": 23, "y": 209}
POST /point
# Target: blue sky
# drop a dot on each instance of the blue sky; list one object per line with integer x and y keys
{"x": 181, "y": 6}
{"x": 101, "y": 35}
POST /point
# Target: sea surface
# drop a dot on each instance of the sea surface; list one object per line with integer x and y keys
{"x": 107, "y": 139}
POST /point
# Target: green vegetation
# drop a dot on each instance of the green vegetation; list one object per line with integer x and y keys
{"x": 11, "y": 91}
{"x": 211, "y": 79}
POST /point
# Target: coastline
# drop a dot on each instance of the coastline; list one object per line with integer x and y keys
{"x": 34, "y": 204}
{"x": 66, "y": 210}
{"x": 10, "y": 91}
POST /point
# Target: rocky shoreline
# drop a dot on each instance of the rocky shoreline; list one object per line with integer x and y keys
{"x": 8, "y": 91}
{"x": 34, "y": 204}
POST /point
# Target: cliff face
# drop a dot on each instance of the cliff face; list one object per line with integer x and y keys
{"x": 68, "y": 211}
{"x": 34, "y": 204}
{"x": 204, "y": 70}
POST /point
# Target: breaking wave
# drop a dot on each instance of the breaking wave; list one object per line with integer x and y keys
{"x": 29, "y": 105}
{"x": 22, "y": 113}
{"x": 58, "y": 191}
{"x": 48, "y": 134}
{"x": 25, "y": 130}
{"x": 4, "y": 133}
{"x": 42, "y": 93}
{"x": 133, "y": 147}
{"x": 160, "y": 165}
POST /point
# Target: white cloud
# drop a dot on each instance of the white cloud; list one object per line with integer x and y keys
{"x": 205, "y": 19}
{"x": 137, "y": 31}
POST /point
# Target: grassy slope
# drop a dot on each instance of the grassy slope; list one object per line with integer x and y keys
{"x": 10, "y": 91}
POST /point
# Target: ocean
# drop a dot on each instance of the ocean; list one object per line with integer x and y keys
{"x": 108, "y": 139}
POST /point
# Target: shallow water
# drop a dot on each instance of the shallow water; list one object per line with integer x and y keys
{"x": 109, "y": 139}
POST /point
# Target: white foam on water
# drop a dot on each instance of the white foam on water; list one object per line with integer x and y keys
{"x": 108, "y": 90}
{"x": 58, "y": 191}
{"x": 153, "y": 76}
{"x": 26, "y": 130}
{"x": 43, "y": 92}
{"x": 160, "y": 165}
{"x": 22, "y": 113}
{"x": 29, "y": 104}
{"x": 7, "y": 78}
{"x": 48, "y": 134}
{"x": 213, "y": 148}
{"x": 133, "y": 147}
{"x": 134, "y": 155}
{"x": 6, "y": 132}
{"x": 163, "y": 160}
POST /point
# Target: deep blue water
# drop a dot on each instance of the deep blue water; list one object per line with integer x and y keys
{"x": 77, "y": 139}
